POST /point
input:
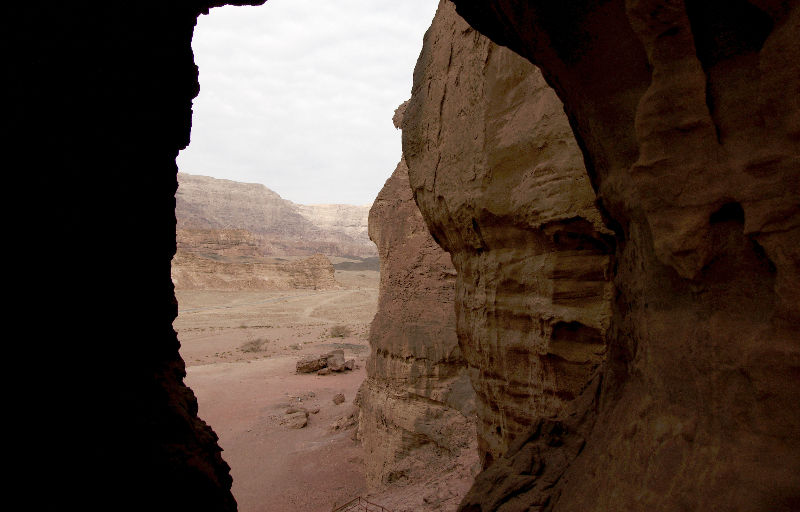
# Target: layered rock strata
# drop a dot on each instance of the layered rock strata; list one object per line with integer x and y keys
{"x": 416, "y": 418}
{"x": 677, "y": 391}
{"x": 496, "y": 169}
{"x": 219, "y": 243}
{"x": 349, "y": 220}
{"x": 273, "y": 226}
{"x": 191, "y": 271}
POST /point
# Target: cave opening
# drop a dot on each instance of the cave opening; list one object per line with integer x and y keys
{"x": 101, "y": 102}
{"x": 275, "y": 275}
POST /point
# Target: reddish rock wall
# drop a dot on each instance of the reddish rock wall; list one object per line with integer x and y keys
{"x": 417, "y": 407}
{"x": 496, "y": 168}
{"x": 195, "y": 271}
{"x": 275, "y": 226}
{"x": 688, "y": 121}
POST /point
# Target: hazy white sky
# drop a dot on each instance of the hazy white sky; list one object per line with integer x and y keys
{"x": 299, "y": 94}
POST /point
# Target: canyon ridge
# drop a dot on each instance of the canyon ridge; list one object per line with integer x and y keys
{"x": 244, "y": 236}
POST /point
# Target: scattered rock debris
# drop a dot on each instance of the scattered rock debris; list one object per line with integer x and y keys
{"x": 333, "y": 361}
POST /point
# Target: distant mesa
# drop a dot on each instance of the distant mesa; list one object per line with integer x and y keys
{"x": 192, "y": 271}
{"x": 244, "y": 236}
{"x": 272, "y": 226}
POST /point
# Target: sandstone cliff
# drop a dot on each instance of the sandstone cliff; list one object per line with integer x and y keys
{"x": 243, "y": 236}
{"x": 347, "y": 219}
{"x": 675, "y": 388}
{"x": 417, "y": 413}
{"x": 193, "y": 272}
{"x": 495, "y": 167}
{"x": 275, "y": 226}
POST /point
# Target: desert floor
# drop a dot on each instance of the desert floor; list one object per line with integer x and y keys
{"x": 243, "y": 395}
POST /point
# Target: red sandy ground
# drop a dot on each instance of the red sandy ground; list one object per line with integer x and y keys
{"x": 244, "y": 395}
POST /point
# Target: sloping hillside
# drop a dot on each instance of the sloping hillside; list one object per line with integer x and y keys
{"x": 274, "y": 226}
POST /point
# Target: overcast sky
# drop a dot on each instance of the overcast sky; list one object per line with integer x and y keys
{"x": 299, "y": 94}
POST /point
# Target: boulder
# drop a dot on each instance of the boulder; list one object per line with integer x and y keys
{"x": 310, "y": 364}
{"x": 335, "y": 360}
{"x": 297, "y": 419}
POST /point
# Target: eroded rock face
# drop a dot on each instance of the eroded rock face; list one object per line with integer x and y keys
{"x": 497, "y": 171}
{"x": 681, "y": 382}
{"x": 416, "y": 406}
{"x": 272, "y": 225}
{"x": 194, "y": 271}
{"x": 347, "y": 219}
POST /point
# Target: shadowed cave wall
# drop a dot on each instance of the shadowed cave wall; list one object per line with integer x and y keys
{"x": 100, "y": 100}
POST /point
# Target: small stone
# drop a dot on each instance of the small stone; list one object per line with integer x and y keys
{"x": 295, "y": 410}
{"x": 350, "y": 364}
{"x": 338, "y": 399}
{"x": 346, "y": 422}
{"x": 296, "y": 420}
{"x": 324, "y": 371}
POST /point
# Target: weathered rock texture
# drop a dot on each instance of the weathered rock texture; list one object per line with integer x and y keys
{"x": 497, "y": 169}
{"x": 219, "y": 243}
{"x": 678, "y": 389}
{"x": 333, "y": 361}
{"x": 417, "y": 417}
{"x": 351, "y": 220}
{"x": 243, "y": 236}
{"x": 192, "y": 271}
{"x": 273, "y": 225}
